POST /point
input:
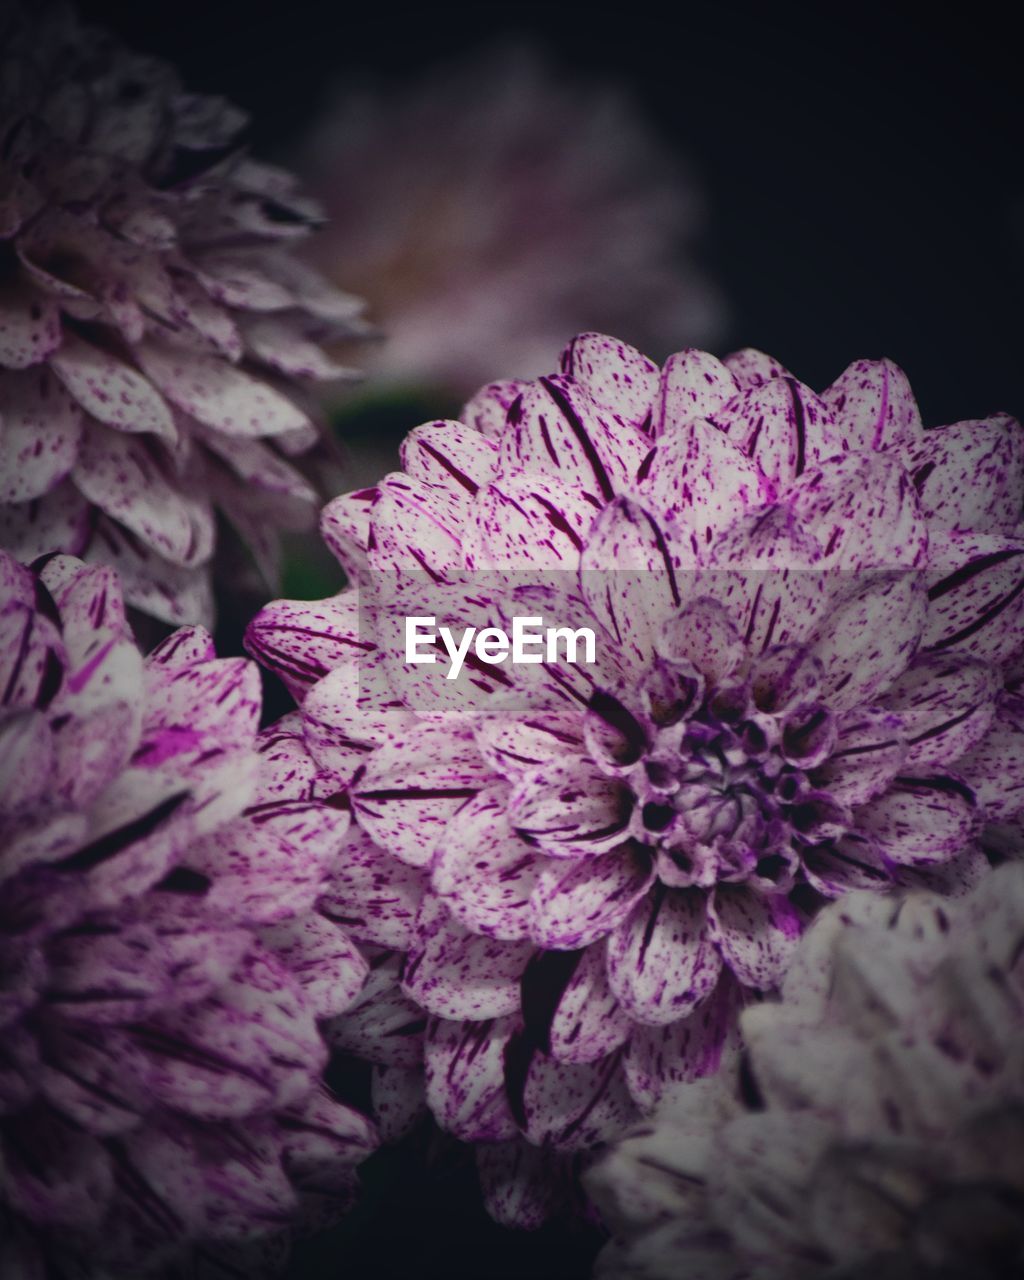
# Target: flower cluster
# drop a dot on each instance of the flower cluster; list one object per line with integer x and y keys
{"x": 154, "y": 321}
{"x": 876, "y": 1127}
{"x": 809, "y": 610}
{"x": 496, "y": 205}
{"x": 163, "y": 964}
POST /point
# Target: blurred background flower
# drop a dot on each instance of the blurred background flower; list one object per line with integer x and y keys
{"x": 877, "y": 1125}
{"x": 154, "y": 322}
{"x": 494, "y": 206}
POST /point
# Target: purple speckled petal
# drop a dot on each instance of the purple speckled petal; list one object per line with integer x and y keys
{"x": 588, "y": 1022}
{"x": 40, "y": 435}
{"x": 320, "y": 1132}
{"x": 921, "y": 821}
{"x": 55, "y": 1176}
{"x": 465, "y": 1065}
{"x": 703, "y": 636}
{"x": 256, "y": 876}
{"x": 970, "y": 476}
{"x": 191, "y": 709}
{"x": 345, "y": 527}
{"x": 488, "y": 410}
{"x": 383, "y": 1026}
{"x": 84, "y": 1078}
{"x": 165, "y": 590}
{"x": 751, "y": 367}
{"x": 698, "y": 476}
{"x": 449, "y": 453}
{"x": 621, "y": 381}
{"x": 112, "y": 391}
{"x": 520, "y": 1182}
{"x": 571, "y": 1105}
{"x": 863, "y": 511}
{"x": 852, "y": 862}
{"x": 661, "y": 961}
{"x": 868, "y": 754}
{"x": 577, "y": 902}
{"x": 120, "y": 475}
{"x": 30, "y": 328}
{"x": 397, "y": 1095}
{"x": 32, "y": 657}
{"x": 693, "y": 385}
{"x": 661, "y": 1057}
{"x": 182, "y": 648}
{"x": 302, "y": 641}
{"x": 281, "y": 343}
{"x": 869, "y": 638}
{"x": 873, "y": 406}
{"x": 345, "y": 714}
{"x": 217, "y": 394}
{"x": 570, "y": 809}
{"x": 330, "y": 970}
{"x": 26, "y": 761}
{"x": 756, "y": 935}
{"x": 405, "y": 799}
{"x": 483, "y": 871}
{"x": 946, "y": 702}
{"x": 555, "y": 426}
{"x": 995, "y": 767}
{"x": 782, "y": 425}
{"x": 373, "y": 896}
{"x": 528, "y": 521}
{"x": 455, "y": 974}
{"x": 975, "y": 595}
{"x": 255, "y": 1044}
{"x": 416, "y": 526}
{"x": 511, "y": 743}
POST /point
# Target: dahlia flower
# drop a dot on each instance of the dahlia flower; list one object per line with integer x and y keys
{"x": 497, "y": 206}
{"x": 162, "y": 967}
{"x": 877, "y": 1127}
{"x": 153, "y": 319}
{"x": 808, "y": 615}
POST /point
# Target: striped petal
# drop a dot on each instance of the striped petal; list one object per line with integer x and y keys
{"x": 578, "y": 902}
{"x": 621, "y": 382}
{"x": 921, "y": 821}
{"x": 465, "y": 1064}
{"x": 449, "y": 453}
{"x": 661, "y": 961}
{"x": 755, "y": 935}
{"x": 873, "y": 406}
{"x": 946, "y": 702}
{"x": 302, "y": 641}
{"x": 975, "y": 595}
{"x": 570, "y": 809}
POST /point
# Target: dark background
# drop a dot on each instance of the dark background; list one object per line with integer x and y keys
{"x": 866, "y": 197}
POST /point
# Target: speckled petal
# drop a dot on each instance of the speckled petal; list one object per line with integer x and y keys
{"x": 869, "y": 638}
{"x": 921, "y": 821}
{"x": 302, "y": 641}
{"x": 946, "y": 702}
{"x": 661, "y": 961}
{"x": 217, "y": 394}
{"x": 970, "y": 476}
{"x": 373, "y": 896}
{"x": 329, "y": 968}
{"x": 111, "y": 390}
{"x": 577, "y": 902}
{"x": 869, "y": 753}
{"x": 528, "y": 521}
{"x": 465, "y": 1063}
{"x": 404, "y": 801}
{"x": 40, "y": 433}
{"x": 782, "y": 426}
{"x": 588, "y": 1022}
{"x": 995, "y": 767}
{"x": 416, "y": 526}
{"x": 570, "y": 809}
{"x": 520, "y": 1183}
{"x": 555, "y": 427}
{"x": 570, "y": 1106}
{"x": 694, "y": 385}
{"x": 975, "y": 595}
{"x": 383, "y": 1026}
{"x": 873, "y": 406}
{"x": 488, "y": 410}
{"x": 30, "y": 328}
{"x": 455, "y": 974}
{"x": 120, "y": 475}
{"x": 483, "y": 871}
{"x": 621, "y": 381}
{"x": 751, "y": 367}
{"x": 756, "y": 935}
{"x": 449, "y": 453}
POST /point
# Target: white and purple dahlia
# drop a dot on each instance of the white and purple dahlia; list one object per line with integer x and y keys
{"x": 155, "y": 325}
{"x": 163, "y": 968}
{"x": 497, "y": 204}
{"x": 876, "y": 1127}
{"x": 808, "y": 611}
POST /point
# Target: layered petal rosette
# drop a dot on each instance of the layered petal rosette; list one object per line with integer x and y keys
{"x": 155, "y": 327}
{"x": 808, "y": 622}
{"x": 162, "y": 966}
{"x": 876, "y": 1128}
